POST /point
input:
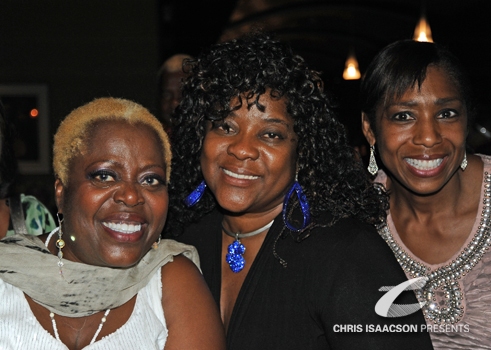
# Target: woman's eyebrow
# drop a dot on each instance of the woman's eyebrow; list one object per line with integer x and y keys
{"x": 445, "y": 100}
{"x": 276, "y": 121}
{"x": 438, "y": 101}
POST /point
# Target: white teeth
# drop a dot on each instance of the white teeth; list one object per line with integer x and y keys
{"x": 123, "y": 228}
{"x": 424, "y": 164}
{"x": 240, "y": 176}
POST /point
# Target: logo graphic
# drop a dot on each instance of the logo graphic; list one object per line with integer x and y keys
{"x": 386, "y": 307}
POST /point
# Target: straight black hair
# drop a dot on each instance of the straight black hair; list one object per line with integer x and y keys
{"x": 403, "y": 64}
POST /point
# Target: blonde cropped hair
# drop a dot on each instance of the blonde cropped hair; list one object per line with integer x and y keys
{"x": 71, "y": 137}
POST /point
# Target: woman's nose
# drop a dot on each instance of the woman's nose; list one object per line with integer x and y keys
{"x": 129, "y": 193}
{"x": 243, "y": 146}
{"x": 427, "y": 132}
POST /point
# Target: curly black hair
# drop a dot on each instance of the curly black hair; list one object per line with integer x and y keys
{"x": 243, "y": 69}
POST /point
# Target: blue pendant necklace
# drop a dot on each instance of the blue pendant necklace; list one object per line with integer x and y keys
{"x": 234, "y": 257}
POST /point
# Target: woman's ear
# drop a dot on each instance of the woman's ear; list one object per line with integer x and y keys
{"x": 367, "y": 129}
{"x": 59, "y": 192}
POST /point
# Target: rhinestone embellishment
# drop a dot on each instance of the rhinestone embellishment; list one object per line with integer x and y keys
{"x": 445, "y": 279}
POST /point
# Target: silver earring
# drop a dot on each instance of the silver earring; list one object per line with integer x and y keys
{"x": 372, "y": 164}
{"x": 463, "y": 165}
{"x": 60, "y": 243}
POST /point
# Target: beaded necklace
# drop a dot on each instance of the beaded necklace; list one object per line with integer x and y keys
{"x": 103, "y": 320}
{"x": 446, "y": 278}
{"x": 51, "y": 314}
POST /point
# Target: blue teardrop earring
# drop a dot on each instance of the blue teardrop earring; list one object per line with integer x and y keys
{"x": 304, "y": 206}
{"x": 195, "y": 196}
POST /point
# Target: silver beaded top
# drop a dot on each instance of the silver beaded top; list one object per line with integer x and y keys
{"x": 446, "y": 278}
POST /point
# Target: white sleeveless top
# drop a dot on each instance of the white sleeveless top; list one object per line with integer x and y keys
{"x": 145, "y": 329}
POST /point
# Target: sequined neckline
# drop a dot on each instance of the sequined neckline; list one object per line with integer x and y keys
{"x": 446, "y": 278}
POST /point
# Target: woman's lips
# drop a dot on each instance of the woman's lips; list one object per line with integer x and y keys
{"x": 239, "y": 176}
{"x": 426, "y": 167}
{"x": 424, "y": 164}
{"x": 124, "y": 231}
{"x": 124, "y": 228}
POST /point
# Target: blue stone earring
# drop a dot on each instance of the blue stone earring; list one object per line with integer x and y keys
{"x": 196, "y": 195}
{"x": 304, "y": 206}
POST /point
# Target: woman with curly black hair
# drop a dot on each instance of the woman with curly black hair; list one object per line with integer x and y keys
{"x": 268, "y": 190}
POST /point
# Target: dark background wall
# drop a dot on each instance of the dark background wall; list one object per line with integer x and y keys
{"x": 82, "y": 49}
{"x": 324, "y": 32}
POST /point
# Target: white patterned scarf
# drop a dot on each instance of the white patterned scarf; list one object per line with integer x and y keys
{"x": 82, "y": 290}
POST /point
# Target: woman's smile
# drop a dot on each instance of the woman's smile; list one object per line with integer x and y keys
{"x": 239, "y": 176}
{"x": 249, "y": 158}
{"x": 425, "y": 167}
{"x": 421, "y": 135}
{"x": 422, "y": 164}
{"x": 121, "y": 196}
{"x": 124, "y": 232}
{"x": 123, "y": 227}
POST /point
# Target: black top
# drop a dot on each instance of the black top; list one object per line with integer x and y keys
{"x": 323, "y": 299}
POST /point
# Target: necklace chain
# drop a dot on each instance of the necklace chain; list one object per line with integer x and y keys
{"x": 446, "y": 278}
{"x": 239, "y": 235}
{"x": 57, "y": 335}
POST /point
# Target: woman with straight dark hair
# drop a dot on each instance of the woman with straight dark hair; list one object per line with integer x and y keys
{"x": 416, "y": 109}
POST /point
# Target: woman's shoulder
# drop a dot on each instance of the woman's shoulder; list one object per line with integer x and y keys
{"x": 175, "y": 249}
{"x": 188, "y": 305}
{"x": 486, "y": 159}
{"x": 180, "y": 266}
{"x": 348, "y": 230}
{"x": 352, "y": 261}
{"x": 346, "y": 243}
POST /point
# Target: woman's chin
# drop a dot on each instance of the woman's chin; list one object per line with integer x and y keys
{"x": 124, "y": 260}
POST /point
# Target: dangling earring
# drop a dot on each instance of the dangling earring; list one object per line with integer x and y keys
{"x": 463, "y": 165}
{"x": 372, "y": 164}
{"x": 60, "y": 243}
{"x": 304, "y": 206}
{"x": 155, "y": 245}
{"x": 196, "y": 195}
